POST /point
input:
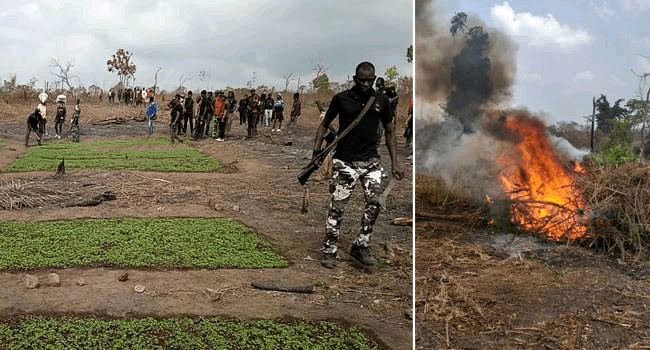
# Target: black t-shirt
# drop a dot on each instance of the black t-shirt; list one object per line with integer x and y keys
{"x": 189, "y": 105}
{"x": 361, "y": 143}
{"x": 34, "y": 120}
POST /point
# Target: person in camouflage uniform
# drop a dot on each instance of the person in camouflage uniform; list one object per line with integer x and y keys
{"x": 356, "y": 160}
{"x": 74, "y": 122}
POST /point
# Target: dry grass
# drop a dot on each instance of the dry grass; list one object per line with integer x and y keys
{"x": 618, "y": 199}
{"x": 18, "y": 194}
{"x": 432, "y": 190}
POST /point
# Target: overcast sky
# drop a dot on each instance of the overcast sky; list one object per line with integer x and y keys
{"x": 568, "y": 50}
{"x": 228, "y": 39}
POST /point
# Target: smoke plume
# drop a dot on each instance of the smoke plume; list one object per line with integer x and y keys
{"x": 464, "y": 75}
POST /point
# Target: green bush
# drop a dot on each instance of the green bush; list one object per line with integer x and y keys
{"x": 617, "y": 148}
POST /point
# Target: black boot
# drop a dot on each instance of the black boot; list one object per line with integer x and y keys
{"x": 362, "y": 255}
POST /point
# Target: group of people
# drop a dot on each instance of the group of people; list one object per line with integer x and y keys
{"x": 355, "y": 159}
{"x": 255, "y": 109}
{"x": 130, "y": 96}
{"x": 217, "y": 110}
{"x": 37, "y": 120}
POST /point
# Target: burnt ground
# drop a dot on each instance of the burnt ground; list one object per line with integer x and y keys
{"x": 480, "y": 288}
{"x": 259, "y": 189}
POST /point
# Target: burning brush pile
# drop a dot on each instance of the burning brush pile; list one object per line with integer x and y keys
{"x": 544, "y": 193}
{"x": 465, "y": 73}
{"x": 600, "y": 206}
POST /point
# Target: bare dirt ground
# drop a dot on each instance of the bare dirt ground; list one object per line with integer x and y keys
{"x": 259, "y": 189}
{"x": 479, "y": 288}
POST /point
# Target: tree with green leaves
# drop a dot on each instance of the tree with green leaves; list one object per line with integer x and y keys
{"x": 607, "y": 114}
{"x": 321, "y": 82}
{"x": 409, "y": 54}
{"x": 391, "y": 76}
{"x": 120, "y": 63}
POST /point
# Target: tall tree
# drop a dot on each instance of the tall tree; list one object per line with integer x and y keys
{"x": 409, "y": 54}
{"x": 120, "y": 63}
{"x": 607, "y": 114}
{"x": 288, "y": 77}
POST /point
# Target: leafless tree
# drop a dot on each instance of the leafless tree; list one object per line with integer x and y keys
{"x": 155, "y": 79}
{"x": 288, "y": 77}
{"x": 62, "y": 72}
{"x": 32, "y": 82}
{"x": 645, "y": 106}
{"x": 181, "y": 81}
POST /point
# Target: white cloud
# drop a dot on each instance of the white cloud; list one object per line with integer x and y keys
{"x": 616, "y": 80}
{"x": 603, "y": 11}
{"x": 635, "y": 6}
{"x": 538, "y": 31}
{"x": 102, "y": 12}
{"x": 32, "y": 11}
{"x": 586, "y": 75}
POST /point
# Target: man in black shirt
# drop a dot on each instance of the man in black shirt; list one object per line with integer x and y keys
{"x": 254, "y": 107}
{"x": 176, "y": 120}
{"x": 199, "y": 125}
{"x": 34, "y": 123}
{"x": 356, "y": 160}
{"x": 188, "y": 114}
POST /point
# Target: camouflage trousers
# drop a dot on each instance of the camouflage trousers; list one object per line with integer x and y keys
{"x": 345, "y": 176}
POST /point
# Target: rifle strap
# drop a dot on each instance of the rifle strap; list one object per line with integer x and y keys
{"x": 354, "y": 123}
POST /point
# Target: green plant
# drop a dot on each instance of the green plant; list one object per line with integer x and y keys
{"x": 168, "y": 242}
{"x": 42, "y": 332}
{"x": 137, "y": 154}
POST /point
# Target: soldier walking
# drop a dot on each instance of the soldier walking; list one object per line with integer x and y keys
{"x": 356, "y": 160}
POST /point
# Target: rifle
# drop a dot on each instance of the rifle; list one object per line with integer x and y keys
{"x": 317, "y": 161}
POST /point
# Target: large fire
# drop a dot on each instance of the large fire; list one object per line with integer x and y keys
{"x": 543, "y": 190}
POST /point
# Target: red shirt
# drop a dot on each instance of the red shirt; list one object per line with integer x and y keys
{"x": 219, "y": 104}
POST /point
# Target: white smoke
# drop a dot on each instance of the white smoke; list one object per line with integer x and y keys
{"x": 563, "y": 146}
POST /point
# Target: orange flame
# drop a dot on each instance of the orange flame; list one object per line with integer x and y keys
{"x": 543, "y": 190}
